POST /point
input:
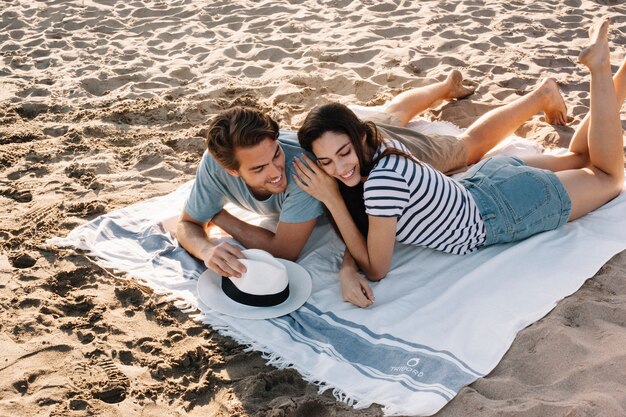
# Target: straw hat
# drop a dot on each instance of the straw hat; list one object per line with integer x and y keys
{"x": 270, "y": 287}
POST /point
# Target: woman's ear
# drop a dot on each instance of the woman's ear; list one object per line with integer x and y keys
{"x": 363, "y": 139}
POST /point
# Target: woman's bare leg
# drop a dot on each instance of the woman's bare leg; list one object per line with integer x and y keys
{"x": 499, "y": 123}
{"x": 589, "y": 188}
{"x": 579, "y": 143}
{"x": 578, "y": 156}
{"x": 412, "y": 102}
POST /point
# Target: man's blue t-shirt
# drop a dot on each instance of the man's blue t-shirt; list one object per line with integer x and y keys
{"x": 214, "y": 187}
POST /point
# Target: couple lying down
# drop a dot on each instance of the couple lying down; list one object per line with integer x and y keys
{"x": 383, "y": 183}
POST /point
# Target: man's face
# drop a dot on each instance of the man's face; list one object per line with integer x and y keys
{"x": 262, "y": 168}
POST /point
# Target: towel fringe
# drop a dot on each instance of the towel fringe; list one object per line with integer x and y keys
{"x": 277, "y": 361}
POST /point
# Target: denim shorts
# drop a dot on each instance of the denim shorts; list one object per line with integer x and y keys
{"x": 516, "y": 201}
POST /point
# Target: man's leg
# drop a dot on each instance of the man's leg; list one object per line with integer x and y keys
{"x": 497, "y": 124}
{"x": 412, "y": 102}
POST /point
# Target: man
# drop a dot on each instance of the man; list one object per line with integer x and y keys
{"x": 246, "y": 163}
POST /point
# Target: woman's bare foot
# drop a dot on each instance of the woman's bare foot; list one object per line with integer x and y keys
{"x": 457, "y": 89}
{"x": 597, "y": 53}
{"x": 554, "y": 108}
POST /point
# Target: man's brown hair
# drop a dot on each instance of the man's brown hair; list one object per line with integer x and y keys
{"x": 241, "y": 127}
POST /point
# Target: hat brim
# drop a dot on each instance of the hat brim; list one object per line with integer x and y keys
{"x": 211, "y": 294}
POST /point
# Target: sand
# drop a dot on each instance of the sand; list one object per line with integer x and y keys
{"x": 103, "y": 104}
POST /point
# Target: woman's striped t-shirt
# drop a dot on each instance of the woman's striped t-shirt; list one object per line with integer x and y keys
{"x": 433, "y": 210}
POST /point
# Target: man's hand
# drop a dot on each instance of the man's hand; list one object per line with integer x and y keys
{"x": 223, "y": 259}
{"x": 286, "y": 242}
{"x": 355, "y": 288}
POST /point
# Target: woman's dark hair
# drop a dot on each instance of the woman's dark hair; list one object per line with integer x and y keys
{"x": 337, "y": 118}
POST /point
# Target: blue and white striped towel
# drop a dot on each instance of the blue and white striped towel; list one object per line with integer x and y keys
{"x": 440, "y": 321}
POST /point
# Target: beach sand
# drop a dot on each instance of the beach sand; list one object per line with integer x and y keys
{"x": 103, "y": 104}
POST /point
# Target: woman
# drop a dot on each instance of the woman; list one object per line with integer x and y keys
{"x": 498, "y": 200}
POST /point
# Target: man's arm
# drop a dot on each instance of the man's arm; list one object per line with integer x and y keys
{"x": 221, "y": 258}
{"x": 287, "y": 242}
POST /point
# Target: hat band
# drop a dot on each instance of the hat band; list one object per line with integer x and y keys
{"x": 268, "y": 300}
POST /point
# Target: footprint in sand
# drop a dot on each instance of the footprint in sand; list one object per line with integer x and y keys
{"x": 23, "y": 371}
{"x": 20, "y": 137}
{"x": 30, "y": 110}
{"x": 130, "y": 296}
{"x": 22, "y": 260}
{"x": 66, "y": 281}
{"x": 101, "y": 378}
{"x": 21, "y": 196}
{"x": 311, "y": 409}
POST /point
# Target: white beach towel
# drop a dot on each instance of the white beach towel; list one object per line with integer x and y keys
{"x": 440, "y": 321}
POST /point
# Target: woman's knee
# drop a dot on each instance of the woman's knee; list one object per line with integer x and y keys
{"x": 474, "y": 149}
{"x": 613, "y": 182}
{"x": 618, "y": 182}
{"x": 399, "y": 114}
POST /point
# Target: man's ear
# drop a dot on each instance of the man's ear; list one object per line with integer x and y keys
{"x": 233, "y": 172}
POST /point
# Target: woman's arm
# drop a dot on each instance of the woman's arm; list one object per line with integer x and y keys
{"x": 354, "y": 286}
{"x": 373, "y": 255}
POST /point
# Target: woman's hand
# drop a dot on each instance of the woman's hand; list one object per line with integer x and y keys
{"x": 355, "y": 289}
{"x": 315, "y": 181}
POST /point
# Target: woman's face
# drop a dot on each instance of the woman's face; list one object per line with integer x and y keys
{"x": 337, "y": 157}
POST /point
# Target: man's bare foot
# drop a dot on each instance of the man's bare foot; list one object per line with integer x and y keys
{"x": 457, "y": 89}
{"x": 554, "y": 107}
{"x": 597, "y": 53}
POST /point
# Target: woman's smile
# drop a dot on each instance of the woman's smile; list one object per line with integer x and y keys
{"x": 347, "y": 175}
{"x": 336, "y": 156}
